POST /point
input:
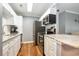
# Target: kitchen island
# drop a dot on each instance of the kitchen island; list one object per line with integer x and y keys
{"x": 11, "y": 44}
{"x": 61, "y": 45}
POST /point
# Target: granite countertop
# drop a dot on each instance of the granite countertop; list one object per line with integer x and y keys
{"x": 72, "y": 40}
{"x": 8, "y": 37}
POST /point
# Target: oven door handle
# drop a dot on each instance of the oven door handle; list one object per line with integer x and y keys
{"x": 40, "y": 38}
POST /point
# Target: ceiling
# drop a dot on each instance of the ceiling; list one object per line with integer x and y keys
{"x": 69, "y": 6}
{"x": 37, "y": 10}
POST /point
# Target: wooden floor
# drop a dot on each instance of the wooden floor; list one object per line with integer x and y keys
{"x": 29, "y": 50}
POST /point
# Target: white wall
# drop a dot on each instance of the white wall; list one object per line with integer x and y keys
{"x": 67, "y": 23}
{"x": 28, "y": 28}
{"x": 71, "y": 25}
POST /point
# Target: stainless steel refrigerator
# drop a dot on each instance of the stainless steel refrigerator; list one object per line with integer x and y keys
{"x": 36, "y": 29}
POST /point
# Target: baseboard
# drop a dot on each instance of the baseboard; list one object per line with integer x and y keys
{"x": 27, "y": 42}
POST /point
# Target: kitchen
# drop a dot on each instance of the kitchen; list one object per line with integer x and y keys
{"x": 48, "y": 29}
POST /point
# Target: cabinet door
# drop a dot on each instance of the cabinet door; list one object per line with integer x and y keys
{"x": 46, "y": 45}
{"x": 11, "y": 51}
{"x": 50, "y": 46}
{"x": 17, "y": 45}
{"x": 5, "y": 50}
{"x": 18, "y": 42}
{"x": 11, "y": 47}
{"x": 18, "y": 20}
{"x": 15, "y": 48}
{"x": 58, "y": 48}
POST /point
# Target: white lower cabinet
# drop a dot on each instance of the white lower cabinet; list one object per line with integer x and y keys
{"x": 11, "y": 51}
{"x": 11, "y": 48}
{"x": 15, "y": 50}
{"x": 5, "y": 50}
{"x": 50, "y": 46}
{"x": 46, "y": 46}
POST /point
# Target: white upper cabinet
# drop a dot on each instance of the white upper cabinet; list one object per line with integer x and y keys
{"x": 8, "y": 21}
{"x": 7, "y": 18}
{"x": 18, "y": 20}
{"x": 50, "y": 10}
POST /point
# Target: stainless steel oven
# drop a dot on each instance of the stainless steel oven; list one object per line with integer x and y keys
{"x": 40, "y": 42}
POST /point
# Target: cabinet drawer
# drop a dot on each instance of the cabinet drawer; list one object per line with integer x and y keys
{"x": 46, "y": 38}
{"x": 18, "y": 37}
{"x": 52, "y": 40}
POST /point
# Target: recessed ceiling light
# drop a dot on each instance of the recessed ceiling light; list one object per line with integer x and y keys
{"x": 29, "y": 7}
{"x": 21, "y": 5}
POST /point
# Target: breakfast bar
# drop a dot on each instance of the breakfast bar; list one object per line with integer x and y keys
{"x": 61, "y": 44}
